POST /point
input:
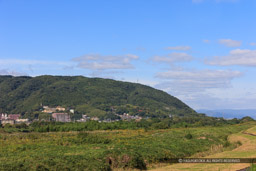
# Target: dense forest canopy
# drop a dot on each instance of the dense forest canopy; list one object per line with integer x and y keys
{"x": 94, "y": 96}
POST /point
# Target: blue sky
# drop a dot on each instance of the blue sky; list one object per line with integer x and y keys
{"x": 201, "y": 51}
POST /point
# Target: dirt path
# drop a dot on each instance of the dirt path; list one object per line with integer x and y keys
{"x": 246, "y": 150}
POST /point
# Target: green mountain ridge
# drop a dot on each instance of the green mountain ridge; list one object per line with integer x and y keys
{"x": 26, "y": 94}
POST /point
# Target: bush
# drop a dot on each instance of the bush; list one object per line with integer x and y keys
{"x": 138, "y": 162}
{"x": 239, "y": 143}
{"x": 84, "y": 137}
{"x": 134, "y": 160}
{"x": 21, "y": 125}
{"x": 41, "y": 168}
{"x": 227, "y": 144}
{"x": 8, "y": 126}
{"x": 188, "y": 136}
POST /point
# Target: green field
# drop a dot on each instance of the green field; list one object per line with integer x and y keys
{"x": 108, "y": 150}
{"x": 246, "y": 149}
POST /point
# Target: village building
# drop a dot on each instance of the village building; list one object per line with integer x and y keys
{"x": 49, "y": 110}
{"x": 8, "y": 121}
{"x": 125, "y": 116}
{"x": 59, "y": 108}
{"x": 22, "y": 121}
{"x": 61, "y": 117}
{"x": 95, "y": 119}
{"x": 137, "y": 118}
{"x": 81, "y": 120}
{"x": 13, "y": 116}
{"x": 84, "y": 118}
{"x": 72, "y": 111}
{"x": 3, "y": 116}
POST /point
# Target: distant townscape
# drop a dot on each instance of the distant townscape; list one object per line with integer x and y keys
{"x": 61, "y": 114}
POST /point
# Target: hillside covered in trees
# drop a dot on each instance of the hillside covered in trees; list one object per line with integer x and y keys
{"x": 93, "y": 96}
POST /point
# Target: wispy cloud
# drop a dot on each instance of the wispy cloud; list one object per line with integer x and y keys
{"x": 173, "y": 57}
{"x": 253, "y": 44}
{"x": 182, "y": 48}
{"x": 101, "y": 62}
{"x": 32, "y": 67}
{"x": 208, "y": 101}
{"x": 195, "y": 86}
{"x": 193, "y": 81}
{"x": 243, "y": 57}
{"x": 230, "y": 42}
{"x": 11, "y": 72}
{"x": 141, "y": 49}
{"x": 206, "y": 41}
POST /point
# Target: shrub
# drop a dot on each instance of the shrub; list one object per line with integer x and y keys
{"x": 138, "y": 162}
{"x": 41, "y": 168}
{"x": 188, "y": 136}
{"x": 84, "y": 137}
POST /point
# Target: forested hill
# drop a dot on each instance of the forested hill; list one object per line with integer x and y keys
{"x": 86, "y": 95}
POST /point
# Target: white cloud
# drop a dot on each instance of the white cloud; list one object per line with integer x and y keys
{"x": 198, "y": 74}
{"x": 197, "y": 87}
{"x": 244, "y": 57}
{"x": 230, "y": 42}
{"x": 206, "y": 41}
{"x": 35, "y": 67}
{"x": 182, "y": 48}
{"x": 208, "y": 101}
{"x": 13, "y": 73}
{"x": 173, "y": 57}
{"x": 100, "y": 62}
{"x": 253, "y": 44}
{"x": 181, "y": 82}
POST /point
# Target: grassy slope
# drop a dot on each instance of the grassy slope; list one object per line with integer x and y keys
{"x": 246, "y": 150}
{"x": 26, "y": 94}
{"x": 96, "y": 150}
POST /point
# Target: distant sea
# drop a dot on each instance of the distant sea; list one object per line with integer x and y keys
{"x": 229, "y": 113}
